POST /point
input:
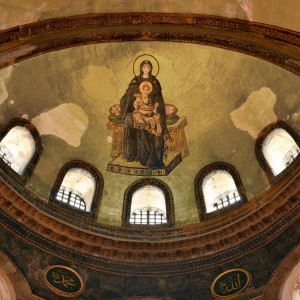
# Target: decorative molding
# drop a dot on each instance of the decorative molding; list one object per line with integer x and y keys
{"x": 188, "y": 255}
{"x": 273, "y": 44}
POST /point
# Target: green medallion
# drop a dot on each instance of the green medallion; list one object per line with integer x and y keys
{"x": 63, "y": 281}
{"x": 230, "y": 283}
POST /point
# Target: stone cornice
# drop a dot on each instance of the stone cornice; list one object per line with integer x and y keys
{"x": 276, "y": 45}
{"x": 201, "y": 251}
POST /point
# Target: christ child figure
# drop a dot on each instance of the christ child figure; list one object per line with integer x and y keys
{"x": 145, "y": 113}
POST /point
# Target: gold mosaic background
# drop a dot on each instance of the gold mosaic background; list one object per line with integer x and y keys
{"x": 227, "y": 98}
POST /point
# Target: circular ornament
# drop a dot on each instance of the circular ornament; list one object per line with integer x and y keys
{"x": 230, "y": 283}
{"x": 63, "y": 281}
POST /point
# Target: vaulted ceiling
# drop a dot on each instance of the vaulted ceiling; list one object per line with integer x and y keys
{"x": 228, "y": 76}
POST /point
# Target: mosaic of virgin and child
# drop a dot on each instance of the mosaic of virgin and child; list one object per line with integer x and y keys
{"x": 148, "y": 137}
{"x": 144, "y": 118}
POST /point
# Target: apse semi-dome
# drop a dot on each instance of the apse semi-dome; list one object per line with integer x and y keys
{"x": 149, "y": 154}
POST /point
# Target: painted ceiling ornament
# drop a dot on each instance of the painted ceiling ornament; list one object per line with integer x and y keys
{"x": 230, "y": 283}
{"x": 145, "y": 57}
{"x": 63, "y": 281}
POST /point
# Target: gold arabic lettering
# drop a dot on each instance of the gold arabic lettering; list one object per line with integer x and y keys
{"x": 230, "y": 284}
{"x": 63, "y": 278}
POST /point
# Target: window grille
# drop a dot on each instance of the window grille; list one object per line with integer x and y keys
{"x": 291, "y": 155}
{"x": 6, "y": 156}
{"x": 148, "y": 202}
{"x": 71, "y": 197}
{"x": 79, "y": 186}
{"x": 219, "y": 190}
{"x": 148, "y": 216}
{"x": 77, "y": 179}
{"x": 227, "y": 198}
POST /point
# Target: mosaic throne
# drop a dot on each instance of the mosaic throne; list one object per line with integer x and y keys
{"x": 177, "y": 148}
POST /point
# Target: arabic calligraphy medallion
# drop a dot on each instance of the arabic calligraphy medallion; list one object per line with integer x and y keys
{"x": 230, "y": 283}
{"x": 63, "y": 281}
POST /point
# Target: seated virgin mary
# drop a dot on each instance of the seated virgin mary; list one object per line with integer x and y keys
{"x": 144, "y": 118}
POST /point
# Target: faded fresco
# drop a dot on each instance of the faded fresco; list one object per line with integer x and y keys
{"x": 224, "y": 99}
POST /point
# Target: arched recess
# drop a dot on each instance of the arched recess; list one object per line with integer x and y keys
{"x": 20, "y": 148}
{"x": 155, "y": 197}
{"x": 7, "y": 290}
{"x": 218, "y": 189}
{"x": 283, "y": 280}
{"x": 285, "y": 144}
{"x": 13, "y": 284}
{"x": 78, "y": 181}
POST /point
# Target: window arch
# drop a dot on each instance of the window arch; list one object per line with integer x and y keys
{"x": 218, "y": 188}
{"x": 20, "y": 147}
{"x": 148, "y": 202}
{"x": 277, "y": 148}
{"x": 79, "y": 186}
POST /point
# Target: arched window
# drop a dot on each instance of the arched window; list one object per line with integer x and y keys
{"x": 280, "y": 150}
{"x": 17, "y": 148}
{"x": 148, "y": 206}
{"x": 218, "y": 188}
{"x": 79, "y": 186}
{"x": 77, "y": 189}
{"x": 20, "y": 147}
{"x": 277, "y": 148}
{"x": 148, "y": 202}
